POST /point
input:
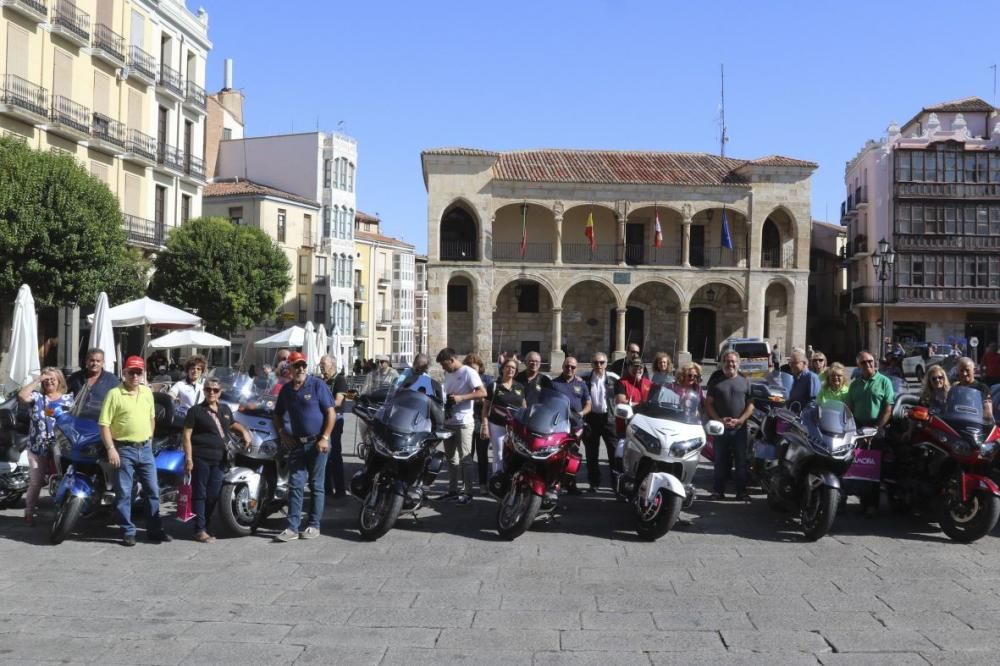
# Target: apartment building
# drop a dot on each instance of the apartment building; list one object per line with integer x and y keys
{"x": 931, "y": 189}
{"x": 575, "y": 251}
{"x": 420, "y": 304}
{"x": 118, "y": 84}
{"x": 384, "y": 297}
{"x": 319, "y": 167}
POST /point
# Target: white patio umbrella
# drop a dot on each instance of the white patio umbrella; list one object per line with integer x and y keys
{"x": 102, "y": 333}
{"x": 189, "y": 338}
{"x": 309, "y": 348}
{"x": 322, "y": 342}
{"x": 290, "y": 337}
{"x": 147, "y": 312}
{"x": 20, "y": 364}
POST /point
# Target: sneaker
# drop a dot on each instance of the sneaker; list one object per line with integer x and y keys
{"x": 447, "y": 497}
{"x": 310, "y": 533}
{"x": 162, "y": 537}
{"x": 128, "y": 540}
{"x": 464, "y": 499}
{"x": 286, "y": 535}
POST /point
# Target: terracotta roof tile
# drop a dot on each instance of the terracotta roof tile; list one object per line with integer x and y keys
{"x": 235, "y": 187}
{"x": 365, "y": 217}
{"x": 379, "y": 238}
{"x": 468, "y": 152}
{"x": 781, "y": 160}
{"x": 966, "y": 104}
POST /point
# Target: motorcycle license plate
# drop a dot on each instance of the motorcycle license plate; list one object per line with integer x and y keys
{"x": 867, "y": 466}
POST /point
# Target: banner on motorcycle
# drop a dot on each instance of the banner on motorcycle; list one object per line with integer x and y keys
{"x": 867, "y": 466}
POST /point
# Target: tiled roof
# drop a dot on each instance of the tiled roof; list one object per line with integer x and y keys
{"x": 468, "y": 152}
{"x": 966, "y": 104}
{"x": 781, "y": 160}
{"x": 365, "y": 217}
{"x": 379, "y": 238}
{"x": 235, "y": 187}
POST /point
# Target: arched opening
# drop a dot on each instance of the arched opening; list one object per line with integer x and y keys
{"x": 458, "y": 235}
{"x": 635, "y": 328}
{"x": 708, "y": 235}
{"x": 585, "y": 326}
{"x": 528, "y": 225}
{"x": 777, "y": 321}
{"x": 461, "y": 314}
{"x": 522, "y": 320}
{"x": 706, "y": 333}
{"x": 770, "y": 245}
{"x": 661, "y": 307}
{"x": 575, "y": 243}
{"x": 777, "y": 248}
{"x": 640, "y": 237}
{"x": 701, "y": 333}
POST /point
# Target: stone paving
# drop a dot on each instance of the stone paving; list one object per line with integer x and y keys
{"x": 736, "y": 586}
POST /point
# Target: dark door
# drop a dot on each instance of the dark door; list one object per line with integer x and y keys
{"x": 160, "y": 206}
{"x": 635, "y": 248}
{"x": 697, "y": 247}
{"x": 635, "y": 320}
{"x": 161, "y": 132}
{"x": 188, "y": 125}
{"x": 701, "y": 332}
{"x": 770, "y": 246}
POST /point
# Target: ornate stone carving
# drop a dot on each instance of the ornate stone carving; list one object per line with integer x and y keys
{"x": 686, "y": 210}
{"x": 933, "y": 125}
{"x": 557, "y": 209}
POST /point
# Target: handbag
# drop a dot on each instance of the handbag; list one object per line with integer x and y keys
{"x": 184, "y": 512}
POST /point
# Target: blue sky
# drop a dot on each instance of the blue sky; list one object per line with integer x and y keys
{"x": 811, "y": 80}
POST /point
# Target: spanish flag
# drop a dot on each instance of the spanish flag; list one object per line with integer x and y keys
{"x": 589, "y": 231}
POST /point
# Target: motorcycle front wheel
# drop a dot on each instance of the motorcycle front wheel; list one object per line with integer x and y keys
{"x": 661, "y": 515}
{"x": 66, "y": 519}
{"x": 379, "y": 513}
{"x": 819, "y": 511}
{"x": 237, "y": 509}
{"x": 966, "y": 522}
{"x": 517, "y": 511}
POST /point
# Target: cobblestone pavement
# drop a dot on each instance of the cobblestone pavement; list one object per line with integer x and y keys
{"x": 737, "y": 585}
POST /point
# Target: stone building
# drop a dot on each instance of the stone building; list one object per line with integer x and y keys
{"x": 511, "y": 267}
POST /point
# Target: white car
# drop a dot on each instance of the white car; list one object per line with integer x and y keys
{"x": 914, "y": 363}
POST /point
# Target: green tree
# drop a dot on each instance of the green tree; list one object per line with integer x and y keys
{"x": 61, "y": 231}
{"x": 233, "y": 275}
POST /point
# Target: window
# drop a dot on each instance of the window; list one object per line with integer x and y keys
{"x": 227, "y": 133}
{"x": 350, "y": 177}
{"x": 458, "y": 298}
{"x": 282, "y": 226}
{"x": 903, "y": 165}
{"x": 327, "y": 173}
{"x": 185, "y": 208}
{"x": 327, "y": 227}
{"x": 321, "y": 267}
{"x": 902, "y": 219}
{"x": 527, "y": 300}
{"x": 350, "y": 271}
{"x": 236, "y": 215}
{"x": 343, "y": 173}
{"x": 303, "y": 307}
{"x": 307, "y": 230}
{"x": 319, "y": 308}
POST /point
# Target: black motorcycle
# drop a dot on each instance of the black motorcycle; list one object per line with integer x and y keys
{"x": 401, "y": 461}
{"x": 13, "y": 460}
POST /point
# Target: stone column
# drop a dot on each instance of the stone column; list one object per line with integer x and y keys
{"x": 683, "y": 355}
{"x": 556, "y": 356}
{"x": 686, "y": 244}
{"x": 620, "y": 326}
{"x": 621, "y": 242}
{"x": 558, "y": 252}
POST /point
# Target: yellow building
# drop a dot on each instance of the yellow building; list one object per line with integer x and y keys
{"x": 119, "y": 85}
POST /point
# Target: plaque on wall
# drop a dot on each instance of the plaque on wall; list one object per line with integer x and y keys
{"x": 622, "y": 278}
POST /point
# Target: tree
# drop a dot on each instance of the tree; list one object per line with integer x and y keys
{"x": 233, "y": 275}
{"x": 61, "y": 231}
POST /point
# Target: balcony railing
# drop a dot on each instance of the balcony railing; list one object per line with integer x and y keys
{"x": 109, "y": 41}
{"x": 458, "y": 251}
{"x": 580, "y": 253}
{"x": 385, "y": 278}
{"x": 25, "y": 95}
{"x": 948, "y": 190}
{"x": 385, "y": 317}
{"x": 859, "y": 244}
{"x": 35, "y": 8}
{"x": 511, "y": 251}
{"x": 195, "y": 95}
{"x": 928, "y": 242}
{"x": 141, "y": 144}
{"x": 321, "y": 280}
{"x": 141, "y": 231}
{"x": 872, "y": 295}
{"x": 67, "y": 112}
{"x": 718, "y": 257}
{"x": 860, "y": 196}
{"x": 843, "y": 208}
{"x": 360, "y": 293}
{"x": 143, "y": 63}
{"x": 777, "y": 258}
{"x": 954, "y": 295}
{"x": 171, "y": 79}
{"x": 66, "y": 16}
{"x": 169, "y": 157}
{"x": 195, "y": 166}
{"x": 107, "y": 129}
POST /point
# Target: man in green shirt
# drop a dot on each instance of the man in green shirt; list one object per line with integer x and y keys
{"x": 870, "y": 398}
{"x": 127, "y": 421}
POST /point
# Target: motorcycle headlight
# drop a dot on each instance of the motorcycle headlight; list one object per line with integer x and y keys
{"x": 544, "y": 452}
{"x": 681, "y": 449}
{"x": 269, "y": 448}
{"x": 648, "y": 441}
{"x": 841, "y": 444}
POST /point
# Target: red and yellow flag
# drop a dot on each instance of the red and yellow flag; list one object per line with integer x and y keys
{"x": 589, "y": 231}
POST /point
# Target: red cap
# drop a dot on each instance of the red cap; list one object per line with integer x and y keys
{"x": 134, "y": 362}
{"x": 296, "y": 357}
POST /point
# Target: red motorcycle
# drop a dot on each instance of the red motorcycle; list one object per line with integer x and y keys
{"x": 540, "y": 448}
{"x": 944, "y": 465}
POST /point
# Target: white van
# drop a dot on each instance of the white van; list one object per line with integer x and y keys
{"x": 754, "y": 354}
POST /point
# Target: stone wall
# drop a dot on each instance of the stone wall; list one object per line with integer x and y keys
{"x": 586, "y": 319}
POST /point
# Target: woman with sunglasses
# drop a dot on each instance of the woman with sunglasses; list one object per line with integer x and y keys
{"x": 204, "y": 439}
{"x": 934, "y": 393}
{"x": 47, "y": 397}
{"x": 834, "y": 385}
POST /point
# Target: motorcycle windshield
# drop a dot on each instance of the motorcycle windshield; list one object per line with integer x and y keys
{"x": 549, "y": 414}
{"x": 672, "y": 402}
{"x": 405, "y": 412}
{"x": 964, "y": 406}
{"x": 780, "y": 381}
{"x": 828, "y": 423}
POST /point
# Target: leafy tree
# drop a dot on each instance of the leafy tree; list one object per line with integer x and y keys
{"x": 61, "y": 231}
{"x": 233, "y": 275}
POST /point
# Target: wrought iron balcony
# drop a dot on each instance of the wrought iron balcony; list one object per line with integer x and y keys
{"x": 195, "y": 167}
{"x": 171, "y": 81}
{"x": 195, "y": 95}
{"x": 68, "y": 117}
{"x": 33, "y": 9}
{"x": 23, "y": 98}
{"x": 458, "y": 251}
{"x": 140, "y": 147}
{"x": 860, "y": 244}
{"x": 143, "y": 232}
{"x": 107, "y": 132}
{"x": 71, "y": 22}
{"x": 384, "y": 317}
{"x": 718, "y": 257}
{"x": 533, "y": 252}
{"x": 109, "y": 45}
{"x": 948, "y": 190}
{"x": 168, "y": 156}
{"x": 938, "y": 242}
{"x": 580, "y": 253}
{"x": 777, "y": 258}
{"x": 872, "y": 295}
{"x": 142, "y": 64}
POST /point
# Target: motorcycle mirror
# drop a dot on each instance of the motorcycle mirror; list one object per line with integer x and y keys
{"x": 443, "y": 434}
{"x": 868, "y": 432}
{"x": 714, "y": 428}
{"x": 920, "y": 413}
{"x": 623, "y": 411}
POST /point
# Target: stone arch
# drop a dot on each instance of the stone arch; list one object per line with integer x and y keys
{"x": 640, "y": 231}
{"x": 600, "y": 279}
{"x": 586, "y": 326}
{"x": 724, "y": 298}
{"x": 783, "y": 221}
{"x": 459, "y": 232}
{"x": 673, "y": 285}
{"x": 706, "y": 238}
{"x": 522, "y": 317}
{"x": 660, "y": 301}
{"x": 542, "y": 280}
{"x": 541, "y": 232}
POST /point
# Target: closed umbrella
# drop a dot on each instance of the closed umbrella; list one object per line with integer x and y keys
{"x": 309, "y": 348}
{"x": 20, "y": 364}
{"x": 102, "y": 333}
{"x": 322, "y": 343}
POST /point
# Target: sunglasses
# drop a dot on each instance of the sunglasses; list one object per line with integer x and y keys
{"x": 600, "y": 362}
{"x": 299, "y": 366}
{"x": 134, "y": 371}
{"x": 569, "y": 367}
{"x": 937, "y": 378}
{"x": 213, "y": 390}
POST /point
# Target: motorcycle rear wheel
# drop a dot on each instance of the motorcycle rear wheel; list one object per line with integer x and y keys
{"x": 66, "y": 519}
{"x": 966, "y": 522}
{"x": 235, "y": 510}
{"x": 819, "y": 512}
{"x": 517, "y": 512}
{"x": 376, "y": 521}
{"x": 660, "y": 517}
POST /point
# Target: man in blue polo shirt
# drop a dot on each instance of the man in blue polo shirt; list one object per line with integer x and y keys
{"x": 578, "y": 393}
{"x": 311, "y": 413}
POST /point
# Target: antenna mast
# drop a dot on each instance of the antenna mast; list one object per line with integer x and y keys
{"x": 723, "y": 134}
{"x": 994, "y": 68}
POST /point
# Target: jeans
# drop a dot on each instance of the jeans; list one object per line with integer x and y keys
{"x": 458, "y": 451}
{"x": 305, "y": 463}
{"x": 334, "y": 476}
{"x": 598, "y": 429}
{"x": 137, "y": 461}
{"x": 731, "y": 446}
{"x": 206, "y": 485}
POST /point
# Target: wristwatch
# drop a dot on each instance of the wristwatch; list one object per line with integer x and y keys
{"x": 326, "y": 437}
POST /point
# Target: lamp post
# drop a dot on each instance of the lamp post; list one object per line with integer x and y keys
{"x": 68, "y": 310}
{"x": 883, "y": 261}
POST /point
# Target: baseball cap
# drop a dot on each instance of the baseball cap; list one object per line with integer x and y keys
{"x": 635, "y": 362}
{"x": 296, "y": 357}
{"x": 134, "y": 363}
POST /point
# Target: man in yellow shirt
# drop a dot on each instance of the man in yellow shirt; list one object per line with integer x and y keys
{"x": 127, "y": 421}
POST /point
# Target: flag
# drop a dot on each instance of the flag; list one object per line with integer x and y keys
{"x": 727, "y": 240}
{"x": 524, "y": 229}
{"x": 588, "y": 231}
{"x": 657, "y": 232}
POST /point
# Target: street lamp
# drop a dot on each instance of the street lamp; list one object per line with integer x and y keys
{"x": 883, "y": 261}
{"x": 68, "y": 310}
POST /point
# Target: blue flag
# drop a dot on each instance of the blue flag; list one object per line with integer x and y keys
{"x": 727, "y": 240}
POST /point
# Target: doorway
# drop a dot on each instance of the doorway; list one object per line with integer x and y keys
{"x": 635, "y": 322}
{"x": 635, "y": 248}
{"x": 701, "y": 333}
{"x": 697, "y": 247}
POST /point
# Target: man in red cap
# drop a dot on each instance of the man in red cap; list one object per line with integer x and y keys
{"x": 311, "y": 414}
{"x": 127, "y": 421}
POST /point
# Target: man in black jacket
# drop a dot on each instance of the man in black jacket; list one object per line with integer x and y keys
{"x": 600, "y": 420}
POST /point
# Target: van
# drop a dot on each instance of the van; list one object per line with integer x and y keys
{"x": 755, "y": 354}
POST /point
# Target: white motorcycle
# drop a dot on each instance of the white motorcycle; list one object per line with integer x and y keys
{"x": 656, "y": 461}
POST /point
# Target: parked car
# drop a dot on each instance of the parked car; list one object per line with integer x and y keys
{"x": 917, "y": 360}
{"x": 755, "y": 354}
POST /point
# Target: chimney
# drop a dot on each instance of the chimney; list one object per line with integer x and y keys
{"x": 228, "y": 84}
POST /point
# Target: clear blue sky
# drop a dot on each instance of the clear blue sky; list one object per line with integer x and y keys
{"x": 811, "y": 80}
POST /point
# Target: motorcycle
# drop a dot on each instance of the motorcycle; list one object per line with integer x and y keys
{"x": 811, "y": 453}
{"x": 86, "y": 488}
{"x": 401, "y": 460}
{"x": 541, "y": 447}
{"x": 13, "y": 453}
{"x": 657, "y": 460}
{"x": 944, "y": 464}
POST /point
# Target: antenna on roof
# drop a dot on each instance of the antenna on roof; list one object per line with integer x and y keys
{"x": 723, "y": 133}
{"x": 994, "y": 68}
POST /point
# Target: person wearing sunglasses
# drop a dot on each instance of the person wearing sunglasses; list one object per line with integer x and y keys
{"x": 578, "y": 393}
{"x": 206, "y": 426}
{"x": 600, "y": 421}
{"x": 127, "y": 422}
{"x": 817, "y": 363}
{"x": 934, "y": 393}
{"x": 47, "y": 398}
{"x": 870, "y": 397}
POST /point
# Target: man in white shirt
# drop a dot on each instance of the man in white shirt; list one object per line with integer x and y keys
{"x": 462, "y": 386}
{"x": 600, "y": 420}
{"x": 189, "y": 391}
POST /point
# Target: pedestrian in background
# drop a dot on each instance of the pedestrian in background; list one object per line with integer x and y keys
{"x": 47, "y": 397}
{"x": 381, "y": 377}
{"x": 817, "y": 364}
{"x": 461, "y": 386}
{"x": 334, "y": 483}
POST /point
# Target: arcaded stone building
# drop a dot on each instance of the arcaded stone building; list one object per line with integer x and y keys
{"x": 511, "y": 266}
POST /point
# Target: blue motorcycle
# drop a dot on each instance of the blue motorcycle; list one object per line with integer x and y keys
{"x": 85, "y": 488}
